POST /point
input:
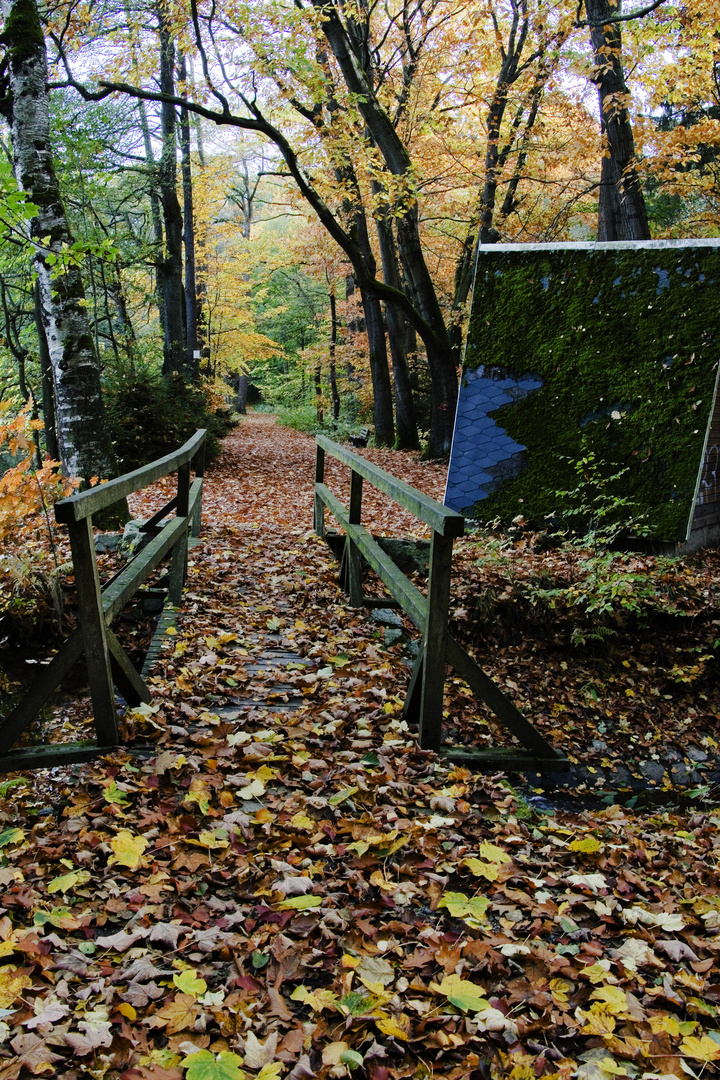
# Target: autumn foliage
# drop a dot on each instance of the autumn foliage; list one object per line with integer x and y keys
{"x": 271, "y": 881}
{"x": 27, "y": 494}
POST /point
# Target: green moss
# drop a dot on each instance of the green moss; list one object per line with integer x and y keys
{"x": 626, "y": 346}
{"x": 22, "y": 32}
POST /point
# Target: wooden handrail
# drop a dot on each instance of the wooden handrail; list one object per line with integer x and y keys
{"x": 424, "y": 703}
{"x": 107, "y": 665}
{"x": 82, "y": 505}
{"x": 433, "y": 513}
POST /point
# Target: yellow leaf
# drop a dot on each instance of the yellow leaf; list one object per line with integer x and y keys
{"x": 318, "y": 1000}
{"x": 67, "y": 882}
{"x": 265, "y": 773}
{"x": 612, "y": 999}
{"x": 333, "y": 1052}
{"x": 209, "y": 839}
{"x": 460, "y": 906}
{"x": 587, "y": 845}
{"x": 493, "y": 854}
{"x": 480, "y": 868}
{"x": 171, "y": 631}
{"x": 598, "y": 1023}
{"x": 378, "y": 879}
{"x": 7, "y": 947}
{"x": 461, "y": 992}
{"x": 302, "y": 821}
{"x": 300, "y": 903}
{"x": 127, "y": 1010}
{"x": 703, "y": 1049}
{"x": 12, "y": 983}
{"x": 664, "y": 1023}
{"x": 190, "y": 983}
{"x": 270, "y": 1071}
{"x": 596, "y": 973}
{"x": 561, "y": 989}
{"x": 128, "y": 849}
{"x": 397, "y": 1029}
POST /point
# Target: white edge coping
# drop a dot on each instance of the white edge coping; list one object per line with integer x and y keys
{"x": 605, "y": 245}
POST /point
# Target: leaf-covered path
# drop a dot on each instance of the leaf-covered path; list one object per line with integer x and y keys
{"x": 281, "y": 885}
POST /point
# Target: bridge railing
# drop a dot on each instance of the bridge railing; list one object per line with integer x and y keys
{"x": 438, "y": 649}
{"x": 108, "y": 666}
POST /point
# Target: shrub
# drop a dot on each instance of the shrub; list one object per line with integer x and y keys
{"x": 29, "y": 564}
{"x": 151, "y": 415}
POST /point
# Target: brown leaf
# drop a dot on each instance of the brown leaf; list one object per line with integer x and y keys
{"x": 179, "y": 1014}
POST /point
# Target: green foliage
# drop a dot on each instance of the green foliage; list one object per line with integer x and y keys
{"x": 304, "y": 418}
{"x": 625, "y": 344}
{"x": 596, "y": 507}
{"x": 150, "y": 416}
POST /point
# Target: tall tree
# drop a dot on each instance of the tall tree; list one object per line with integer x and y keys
{"x": 622, "y": 214}
{"x": 83, "y": 441}
{"x": 171, "y": 262}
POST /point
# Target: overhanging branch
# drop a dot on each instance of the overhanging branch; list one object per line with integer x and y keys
{"x": 639, "y": 14}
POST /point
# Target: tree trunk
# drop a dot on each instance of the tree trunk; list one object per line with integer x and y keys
{"x": 318, "y": 395}
{"x": 621, "y": 210}
{"x": 333, "y": 344}
{"x": 243, "y": 381}
{"x": 48, "y": 390}
{"x": 83, "y": 441}
{"x": 407, "y": 437}
{"x": 420, "y": 288}
{"x": 171, "y": 265}
{"x": 379, "y": 370}
{"x": 155, "y": 212}
{"x": 191, "y": 295}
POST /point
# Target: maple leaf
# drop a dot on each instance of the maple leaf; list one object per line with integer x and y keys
{"x": 12, "y": 983}
{"x": 588, "y": 845}
{"x": 179, "y": 1014}
{"x": 702, "y": 1049}
{"x": 613, "y": 999}
{"x": 204, "y": 1065}
{"x": 67, "y": 882}
{"x": 464, "y": 994}
{"x": 258, "y": 1054}
{"x": 396, "y": 1027}
{"x": 189, "y": 982}
{"x": 128, "y": 849}
{"x": 460, "y": 906}
{"x": 34, "y": 1053}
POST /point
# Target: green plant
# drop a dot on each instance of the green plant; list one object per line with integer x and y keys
{"x": 149, "y": 416}
{"x": 594, "y": 508}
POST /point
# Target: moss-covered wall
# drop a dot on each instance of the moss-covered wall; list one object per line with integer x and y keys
{"x": 625, "y": 339}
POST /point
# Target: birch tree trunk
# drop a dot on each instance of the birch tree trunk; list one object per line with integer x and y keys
{"x": 83, "y": 441}
{"x": 171, "y": 265}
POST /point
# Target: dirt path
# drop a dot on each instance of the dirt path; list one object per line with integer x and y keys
{"x": 271, "y": 877}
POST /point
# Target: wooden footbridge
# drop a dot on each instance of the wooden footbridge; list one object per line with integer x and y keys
{"x": 167, "y": 535}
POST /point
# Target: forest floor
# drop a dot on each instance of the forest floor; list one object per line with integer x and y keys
{"x": 271, "y": 879}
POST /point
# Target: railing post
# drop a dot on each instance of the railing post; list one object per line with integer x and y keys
{"x": 92, "y": 623}
{"x": 354, "y": 556}
{"x": 319, "y": 509}
{"x": 178, "y": 565}
{"x": 433, "y": 643}
{"x": 198, "y": 463}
